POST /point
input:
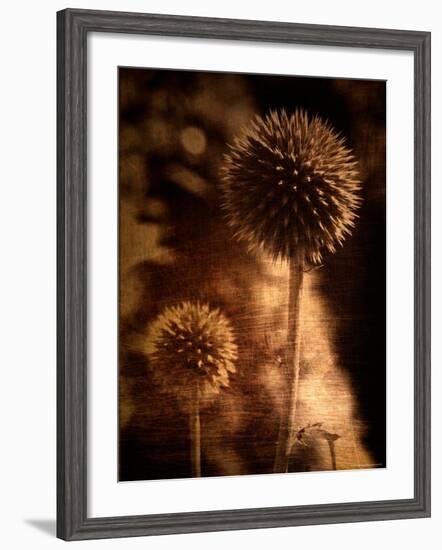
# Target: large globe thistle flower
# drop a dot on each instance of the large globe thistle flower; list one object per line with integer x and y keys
{"x": 291, "y": 186}
{"x": 192, "y": 352}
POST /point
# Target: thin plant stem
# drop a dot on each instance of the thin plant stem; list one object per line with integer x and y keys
{"x": 292, "y": 357}
{"x": 195, "y": 435}
{"x": 331, "y": 446}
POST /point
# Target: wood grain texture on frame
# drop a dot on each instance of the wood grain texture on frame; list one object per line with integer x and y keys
{"x": 72, "y": 29}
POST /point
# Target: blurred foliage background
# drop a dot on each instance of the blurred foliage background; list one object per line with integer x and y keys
{"x": 174, "y": 127}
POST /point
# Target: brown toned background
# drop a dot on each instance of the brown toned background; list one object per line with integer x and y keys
{"x": 174, "y": 245}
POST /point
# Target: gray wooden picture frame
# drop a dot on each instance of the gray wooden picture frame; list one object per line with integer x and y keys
{"x": 73, "y": 27}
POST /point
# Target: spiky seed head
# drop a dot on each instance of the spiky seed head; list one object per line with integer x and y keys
{"x": 190, "y": 346}
{"x": 290, "y": 186}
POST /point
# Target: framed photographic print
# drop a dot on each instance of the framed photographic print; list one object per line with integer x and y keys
{"x": 243, "y": 274}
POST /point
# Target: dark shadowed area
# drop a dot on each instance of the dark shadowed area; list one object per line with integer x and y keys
{"x": 174, "y": 246}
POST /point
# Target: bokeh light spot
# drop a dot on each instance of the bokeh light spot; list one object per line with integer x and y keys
{"x": 194, "y": 140}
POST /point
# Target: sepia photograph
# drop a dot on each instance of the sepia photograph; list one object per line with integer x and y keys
{"x": 252, "y": 274}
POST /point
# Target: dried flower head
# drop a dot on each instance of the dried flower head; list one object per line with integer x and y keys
{"x": 290, "y": 186}
{"x": 190, "y": 345}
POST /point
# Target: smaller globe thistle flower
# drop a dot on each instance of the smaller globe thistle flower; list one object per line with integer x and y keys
{"x": 191, "y": 346}
{"x": 290, "y": 186}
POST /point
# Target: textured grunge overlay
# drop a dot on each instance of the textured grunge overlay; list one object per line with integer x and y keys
{"x": 252, "y": 274}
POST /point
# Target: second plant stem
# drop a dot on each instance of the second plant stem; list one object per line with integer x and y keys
{"x": 195, "y": 435}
